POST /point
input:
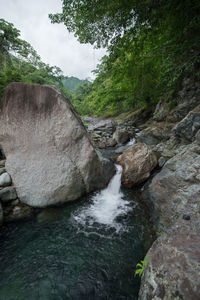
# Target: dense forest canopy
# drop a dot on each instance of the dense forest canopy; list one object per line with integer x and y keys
{"x": 152, "y": 46}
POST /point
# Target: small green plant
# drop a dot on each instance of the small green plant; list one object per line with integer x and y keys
{"x": 141, "y": 266}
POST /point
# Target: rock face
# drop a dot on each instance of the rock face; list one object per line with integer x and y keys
{"x": 174, "y": 266}
{"x": 137, "y": 162}
{"x": 154, "y": 136}
{"x": 175, "y": 190}
{"x": 48, "y": 153}
{"x": 186, "y": 100}
{"x": 188, "y": 127}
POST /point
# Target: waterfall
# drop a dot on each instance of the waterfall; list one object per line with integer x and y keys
{"x": 106, "y": 205}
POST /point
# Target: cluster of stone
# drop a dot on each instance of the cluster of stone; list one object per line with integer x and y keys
{"x": 11, "y": 208}
{"x": 107, "y": 133}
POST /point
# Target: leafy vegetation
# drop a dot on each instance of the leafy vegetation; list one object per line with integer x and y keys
{"x": 141, "y": 266}
{"x": 19, "y": 62}
{"x": 72, "y": 83}
{"x": 152, "y": 46}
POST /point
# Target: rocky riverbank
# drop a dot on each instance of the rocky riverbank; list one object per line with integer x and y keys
{"x": 158, "y": 152}
{"x": 169, "y": 142}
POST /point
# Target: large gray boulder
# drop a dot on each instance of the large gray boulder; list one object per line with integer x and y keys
{"x": 174, "y": 192}
{"x": 48, "y": 152}
{"x": 174, "y": 264}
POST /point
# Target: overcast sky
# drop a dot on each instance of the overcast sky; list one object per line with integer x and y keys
{"x": 53, "y": 42}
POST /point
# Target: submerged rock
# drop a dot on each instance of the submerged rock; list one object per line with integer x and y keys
{"x": 137, "y": 162}
{"x": 18, "y": 212}
{"x": 49, "y": 154}
{"x": 174, "y": 266}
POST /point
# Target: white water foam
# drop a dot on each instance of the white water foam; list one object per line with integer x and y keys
{"x": 106, "y": 205}
{"x": 131, "y": 142}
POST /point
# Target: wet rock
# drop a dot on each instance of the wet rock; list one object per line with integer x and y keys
{"x": 188, "y": 127}
{"x": 56, "y": 162}
{"x": 137, "y": 162}
{"x": 121, "y": 136}
{"x": 5, "y": 179}
{"x": 175, "y": 189}
{"x": 174, "y": 266}
{"x": 8, "y": 194}
{"x": 19, "y": 212}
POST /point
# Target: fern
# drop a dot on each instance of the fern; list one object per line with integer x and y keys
{"x": 141, "y": 266}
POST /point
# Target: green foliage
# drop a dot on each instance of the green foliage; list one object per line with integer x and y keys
{"x": 20, "y": 62}
{"x": 72, "y": 83}
{"x": 141, "y": 266}
{"x": 152, "y": 46}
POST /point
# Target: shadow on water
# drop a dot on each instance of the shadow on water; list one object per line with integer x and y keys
{"x": 75, "y": 252}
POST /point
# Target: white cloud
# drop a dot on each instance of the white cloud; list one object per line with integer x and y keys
{"x": 53, "y": 42}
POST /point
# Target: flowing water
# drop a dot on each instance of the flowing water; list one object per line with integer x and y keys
{"x": 85, "y": 250}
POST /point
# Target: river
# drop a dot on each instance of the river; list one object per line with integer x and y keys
{"x": 83, "y": 250}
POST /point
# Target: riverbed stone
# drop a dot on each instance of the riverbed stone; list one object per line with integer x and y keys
{"x": 5, "y": 179}
{"x": 137, "y": 162}
{"x": 174, "y": 264}
{"x": 49, "y": 154}
{"x": 8, "y": 194}
{"x": 121, "y": 136}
